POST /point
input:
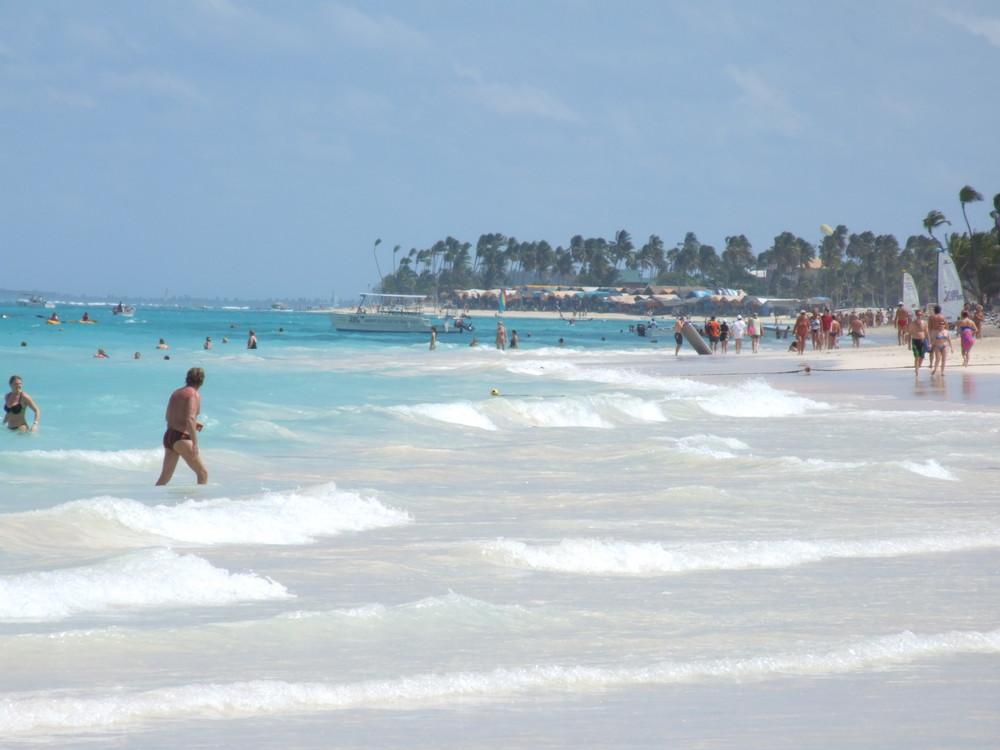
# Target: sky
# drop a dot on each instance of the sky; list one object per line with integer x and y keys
{"x": 257, "y": 150}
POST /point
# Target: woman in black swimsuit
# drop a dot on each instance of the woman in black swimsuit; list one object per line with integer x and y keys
{"x": 15, "y": 403}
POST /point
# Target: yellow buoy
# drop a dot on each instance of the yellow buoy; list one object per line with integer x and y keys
{"x": 494, "y": 392}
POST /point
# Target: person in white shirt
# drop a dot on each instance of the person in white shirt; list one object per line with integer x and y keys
{"x": 738, "y": 330}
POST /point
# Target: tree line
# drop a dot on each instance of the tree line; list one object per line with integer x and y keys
{"x": 855, "y": 270}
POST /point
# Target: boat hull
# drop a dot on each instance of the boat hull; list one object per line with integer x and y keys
{"x": 393, "y": 322}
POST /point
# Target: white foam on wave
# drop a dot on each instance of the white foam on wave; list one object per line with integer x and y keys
{"x": 260, "y": 429}
{"x": 597, "y": 556}
{"x": 42, "y": 712}
{"x": 757, "y": 399}
{"x": 713, "y": 446}
{"x": 123, "y": 459}
{"x": 461, "y": 413}
{"x": 145, "y": 578}
{"x": 291, "y": 517}
{"x": 599, "y": 411}
{"x": 432, "y": 614}
{"x": 618, "y": 376}
{"x": 930, "y": 469}
{"x": 750, "y": 398}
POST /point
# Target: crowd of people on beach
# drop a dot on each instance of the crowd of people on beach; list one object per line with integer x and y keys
{"x": 930, "y": 335}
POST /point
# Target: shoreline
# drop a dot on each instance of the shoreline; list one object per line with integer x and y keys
{"x": 985, "y": 355}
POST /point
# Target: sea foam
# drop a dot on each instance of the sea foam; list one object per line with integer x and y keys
{"x": 597, "y": 556}
{"x": 600, "y": 411}
{"x": 291, "y": 517}
{"x": 43, "y": 712}
{"x": 141, "y": 579}
{"x": 122, "y": 459}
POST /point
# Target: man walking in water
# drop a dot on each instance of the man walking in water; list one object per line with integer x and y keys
{"x": 181, "y": 438}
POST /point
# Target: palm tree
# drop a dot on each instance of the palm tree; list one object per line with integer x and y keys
{"x": 932, "y": 221}
{"x": 377, "y": 243}
{"x": 622, "y": 249}
{"x": 995, "y": 213}
{"x": 887, "y": 259}
{"x": 563, "y": 264}
{"x": 651, "y": 254}
{"x": 684, "y": 258}
{"x": 708, "y": 262}
{"x": 967, "y": 195}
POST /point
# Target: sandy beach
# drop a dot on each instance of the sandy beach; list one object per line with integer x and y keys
{"x": 985, "y": 356}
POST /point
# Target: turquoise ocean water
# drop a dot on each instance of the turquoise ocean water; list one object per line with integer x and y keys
{"x": 622, "y": 548}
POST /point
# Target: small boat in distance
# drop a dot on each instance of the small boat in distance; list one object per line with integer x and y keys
{"x": 121, "y": 309}
{"x": 35, "y": 301}
{"x": 281, "y": 306}
{"x": 395, "y": 313}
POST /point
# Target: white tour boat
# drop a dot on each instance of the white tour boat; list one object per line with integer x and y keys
{"x": 394, "y": 313}
{"x": 35, "y": 301}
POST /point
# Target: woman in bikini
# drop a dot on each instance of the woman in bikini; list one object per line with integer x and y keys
{"x": 941, "y": 340}
{"x": 14, "y": 405}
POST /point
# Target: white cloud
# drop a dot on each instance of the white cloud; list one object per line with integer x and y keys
{"x": 379, "y": 31}
{"x": 521, "y": 101}
{"x": 983, "y": 26}
{"x": 71, "y": 99}
{"x": 762, "y": 107}
{"x": 153, "y": 81}
{"x": 229, "y": 19}
{"x": 512, "y": 100}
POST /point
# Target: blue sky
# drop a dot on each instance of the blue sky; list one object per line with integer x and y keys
{"x": 258, "y": 149}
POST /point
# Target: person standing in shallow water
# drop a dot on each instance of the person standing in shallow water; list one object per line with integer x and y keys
{"x": 917, "y": 333}
{"x": 14, "y": 406}
{"x": 252, "y": 340}
{"x": 935, "y": 323}
{"x": 181, "y": 438}
{"x": 501, "y": 336}
{"x": 434, "y": 337}
{"x": 966, "y": 328}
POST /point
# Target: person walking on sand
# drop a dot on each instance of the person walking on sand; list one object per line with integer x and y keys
{"x": 15, "y": 403}
{"x": 966, "y": 328}
{"x": 816, "y": 330}
{"x": 917, "y": 331}
{"x": 756, "y": 329}
{"x": 738, "y": 330}
{"x": 935, "y": 322}
{"x": 713, "y": 330}
{"x": 833, "y": 337}
{"x": 801, "y": 332}
{"x": 902, "y": 319}
{"x": 941, "y": 340}
{"x": 181, "y": 438}
{"x": 857, "y": 330}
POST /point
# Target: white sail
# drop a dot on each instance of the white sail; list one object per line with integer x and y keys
{"x": 911, "y": 300}
{"x": 949, "y": 287}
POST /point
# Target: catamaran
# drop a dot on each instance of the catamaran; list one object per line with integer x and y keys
{"x": 910, "y": 298}
{"x": 395, "y": 313}
{"x": 949, "y": 287}
{"x": 35, "y": 301}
